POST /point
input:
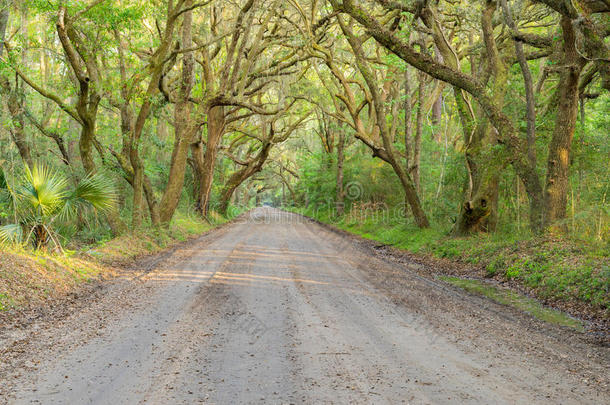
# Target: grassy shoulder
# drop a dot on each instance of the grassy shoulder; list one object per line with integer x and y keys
{"x": 129, "y": 246}
{"x": 572, "y": 275}
{"x": 28, "y": 278}
{"x": 513, "y": 299}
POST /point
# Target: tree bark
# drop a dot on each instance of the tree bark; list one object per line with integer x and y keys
{"x": 183, "y": 126}
{"x": 17, "y": 129}
{"x": 558, "y": 162}
{"x": 419, "y": 126}
{"x": 340, "y": 192}
{"x": 85, "y": 144}
{"x": 216, "y": 127}
{"x": 4, "y": 14}
{"x": 408, "y": 111}
{"x": 197, "y": 152}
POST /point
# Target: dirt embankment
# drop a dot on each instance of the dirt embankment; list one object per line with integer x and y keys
{"x": 39, "y": 284}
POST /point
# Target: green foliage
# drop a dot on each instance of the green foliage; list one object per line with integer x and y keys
{"x": 43, "y": 199}
{"x": 495, "y": 265}
{"x": 43, "y": 191}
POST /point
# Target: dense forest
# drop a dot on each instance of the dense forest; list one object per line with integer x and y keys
{"x": 464, "y": 117}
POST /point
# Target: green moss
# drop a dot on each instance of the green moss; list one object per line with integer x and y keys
{"x": 515, "y": 300}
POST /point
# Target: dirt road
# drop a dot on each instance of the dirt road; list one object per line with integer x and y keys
{"x": 276, "y": 309}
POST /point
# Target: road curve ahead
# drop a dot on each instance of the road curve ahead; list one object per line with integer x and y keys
{"x": 277, "y": 309}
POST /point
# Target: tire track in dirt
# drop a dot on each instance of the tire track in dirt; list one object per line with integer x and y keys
{"x": 277, "y": 310}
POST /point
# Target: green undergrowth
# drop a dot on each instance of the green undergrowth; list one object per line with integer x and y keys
{"x": 511, "y": 298}
{"x": 554, "y": 269}
{"x": 29, "y": 277}
{"x": 151, "y": 240}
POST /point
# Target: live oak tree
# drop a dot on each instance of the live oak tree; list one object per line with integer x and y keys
{"x": 244, "y": 61}
{"x": 273, "y": 133}
{"x": 374, "y": 132}
{"x": 544, "y": 205}
{"x": 464, "y": 106}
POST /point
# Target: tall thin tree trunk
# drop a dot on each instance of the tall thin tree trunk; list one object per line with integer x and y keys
{"x": 415, "y": 169}
{"x": 558, "y": 163}
{"x": 408, "y": 111}
{"x": 14, "y": 99}
{"x": 182, "y": 127}
{"x": 17, "y": 128}
{"x": 4, "y": 14}
{"x": 437, "y": 107}
{"x": 437, "y": 110}
{"x": 138, "y": 192}
{"x": 408, "y": 106}
{"x": 529, "y": 89}
{"x": 85, "y": 145}
{"x": 581, "y": 141}
{"x": 216, "y": 126}
{"x": 197, "y": 152}
{"x": 340, "y": 206}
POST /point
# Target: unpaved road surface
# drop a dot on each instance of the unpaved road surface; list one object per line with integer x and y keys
{"x": 277, "y": 309}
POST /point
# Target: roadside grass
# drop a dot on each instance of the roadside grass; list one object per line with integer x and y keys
{"x": 510, "y": 298}
{"x": 28, "y": 277}
{"x": 573, "y": 273}
{"x": 151, "y": 240}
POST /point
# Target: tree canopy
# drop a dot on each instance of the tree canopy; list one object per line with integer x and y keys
{"x": 470, "y": 116}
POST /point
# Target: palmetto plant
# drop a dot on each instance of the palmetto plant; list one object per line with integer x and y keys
{"x": 42, "y": 199}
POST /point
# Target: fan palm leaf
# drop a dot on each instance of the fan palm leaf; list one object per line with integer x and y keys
{"x": 11, "y": 233}
{"x": 95, "y": 190}
{"x": 44, "y": 199}
{"x": 43, "y": 189}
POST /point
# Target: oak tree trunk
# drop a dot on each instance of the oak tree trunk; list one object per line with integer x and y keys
{"x": 182, "y": 127}
{"x": 340, "y": 197}
{"x": 216, "y": 126}
{"x": 197, "y": 152}
{"x": 17, "y": 128}
{"x": 419, "y": 126}
{"x": 558, "y": 162}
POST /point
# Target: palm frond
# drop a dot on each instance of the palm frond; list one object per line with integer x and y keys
{"x": 43, "y": 189}
{"x": 98, "y": 190}
{"x": 95, "y": 190}
{"x": 11, "y": 234}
